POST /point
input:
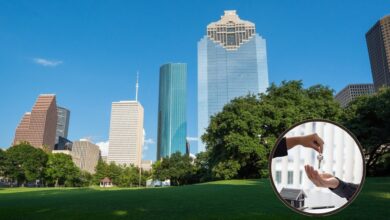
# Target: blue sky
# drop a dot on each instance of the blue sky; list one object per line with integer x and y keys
{"x": 88, "y": 52}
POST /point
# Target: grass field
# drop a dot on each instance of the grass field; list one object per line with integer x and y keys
{"x": 236, "y": 199}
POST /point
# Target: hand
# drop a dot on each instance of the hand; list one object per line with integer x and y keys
{"x": 321, "y": 180}
{"x": 311, "y": 141}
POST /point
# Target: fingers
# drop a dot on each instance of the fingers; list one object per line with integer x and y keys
{"x": 310, "y": 174}
{"x": 318, "y": 143}
{"x": 326, "y": 175}
{"x": 314, "y": 176}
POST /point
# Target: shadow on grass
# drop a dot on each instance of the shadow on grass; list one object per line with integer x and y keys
{"x": 239, "y": 199}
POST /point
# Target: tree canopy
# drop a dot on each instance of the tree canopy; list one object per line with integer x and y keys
{"x": 178, "y": 168}
{"x": 239, "y": 138}
{"x": 61, "y": 170}
{"x": 368, "y": 117}
{"x": 24, "y": 163}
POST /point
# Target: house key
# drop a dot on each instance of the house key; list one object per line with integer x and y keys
{"x": 319, "y": 158}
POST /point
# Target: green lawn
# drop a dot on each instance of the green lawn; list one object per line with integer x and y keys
{"x": 237, "y": 199}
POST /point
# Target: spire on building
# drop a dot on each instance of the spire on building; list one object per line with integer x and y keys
{"x": 136, "y": 88}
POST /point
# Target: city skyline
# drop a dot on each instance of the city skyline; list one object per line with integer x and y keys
{"x": 98, "y": 64}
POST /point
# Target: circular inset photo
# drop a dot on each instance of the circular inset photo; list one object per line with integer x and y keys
{"x": 317, "y": 167}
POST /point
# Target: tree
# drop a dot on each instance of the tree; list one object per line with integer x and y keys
{"x": 202, "y": 167}
{"x": 2, "y": 162}
{"x": 61, "y": 170}
{"x": 368, "y": 117}
{"x": 101, "y": 171}
{"x": 247, "y": 127}
{"x": 24, "y": 163}
{"x": 113, "y": 172}
{"x": 177, "y": 168}
{"x": 129, "y": 177}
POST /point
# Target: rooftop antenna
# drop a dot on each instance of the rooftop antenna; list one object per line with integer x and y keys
{"x": 136, "y": 88}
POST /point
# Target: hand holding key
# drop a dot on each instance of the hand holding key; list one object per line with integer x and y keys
{"x": 311, "y": 141}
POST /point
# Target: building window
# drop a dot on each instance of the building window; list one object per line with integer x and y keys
{"x": 300, "y": 177}
{"x": 278, "y": 177}
{"x": 290, "y": 176}
{"x": 231, "y": 39}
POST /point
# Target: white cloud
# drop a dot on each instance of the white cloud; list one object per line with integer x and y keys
{"x": 192, "y": 139}
{"x": 103, "y": 147}
{"x": 46, "y": 62}
{"x": 147, "y": 142}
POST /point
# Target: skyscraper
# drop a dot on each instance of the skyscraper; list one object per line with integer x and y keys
{"x": 63, "y": 116}
{"x": 352, "y": 91}
{"x": 38, "y": 127}
{"x": 172, "y": 123}
{"x": 232, "y": 62}
{"x": 378, "y": 44}
{"x": 126, "y": 132}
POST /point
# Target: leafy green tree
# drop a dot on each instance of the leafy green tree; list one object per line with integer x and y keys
{"x": 85, "y": 179}
{"x": 114, "y": 172}
{"x": 247, "y": 127}
{"x": 368, "y": 117}
{"x": 178, "y": 168}
{"x": 2, "y": 162}
{"x": 61, "y": 170}
{"x": 24, "y": 163}
{"x": 226, "y": 169}
{"x": 202, "y": 167}
{"x": 101, "y": 171}
{"x": 129, "y": 177}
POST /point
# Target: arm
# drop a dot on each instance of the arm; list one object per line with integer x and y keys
{"x": 281, "y": 149}
{"x": 311, "y": 141}
{"x": 344, "y": 189}
{"x": 337, "y": 186}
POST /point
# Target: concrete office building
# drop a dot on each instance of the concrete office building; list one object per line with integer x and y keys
{"x": 378, "y": 44}
{"x": 352, "y": 91}
{"x": 126, "y": 136}
{"x": 172, "y": 114}
{"x": 126, "y": 133}
{"x": 88, "y": 153}
{"x": 232, "y": 62}
{"x": 63, "y": 116}
{"x": 38, "y": 127}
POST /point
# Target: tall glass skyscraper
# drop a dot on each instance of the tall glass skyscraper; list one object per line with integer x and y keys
{"x": 172, "y": 123}
{"x": 232, "y": 62}
{"x": 63, "y": 116}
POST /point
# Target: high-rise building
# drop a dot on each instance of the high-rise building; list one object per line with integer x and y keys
{"x": 232, "y": 62}
{"x": 126, "y": 133}
{"x": 352, "y": 91}
{"x": 63, "y": 116}
{"x": 38, "y": 127}
{"x": 88, "y": 154}
{"x": 172, "y": 123}
{"x": 378, "y": 44}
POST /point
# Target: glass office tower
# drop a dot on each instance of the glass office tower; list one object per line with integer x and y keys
{"x": 232, "y": 62}
{"x": 172, "y": 123}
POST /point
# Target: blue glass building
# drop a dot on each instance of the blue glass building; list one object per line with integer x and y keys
{"x": 172, "y": 123}
{"x": 232, "y": 62}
